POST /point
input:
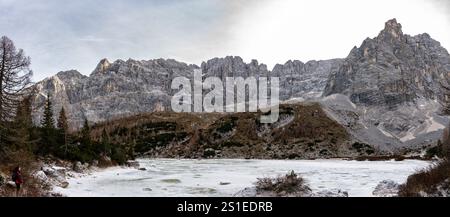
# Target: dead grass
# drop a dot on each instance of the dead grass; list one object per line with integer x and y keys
{"x": 31, "y": 187}
{"x": 426, "y": 181}
{"x": 290, "y": 183}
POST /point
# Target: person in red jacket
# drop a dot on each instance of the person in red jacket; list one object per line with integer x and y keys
{"x": 17, "y": 179}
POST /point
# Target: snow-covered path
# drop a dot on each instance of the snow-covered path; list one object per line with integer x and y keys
{"x": 202, "y": 178}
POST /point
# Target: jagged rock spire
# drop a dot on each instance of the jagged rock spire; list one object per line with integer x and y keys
{"x": 392, "y": 31}
{"x": 102, "y": 66}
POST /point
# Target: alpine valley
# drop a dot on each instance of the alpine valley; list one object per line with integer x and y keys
{"x": 385, "y": 98}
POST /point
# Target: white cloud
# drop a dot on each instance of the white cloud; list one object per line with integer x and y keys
{"x": 323, "y": 29}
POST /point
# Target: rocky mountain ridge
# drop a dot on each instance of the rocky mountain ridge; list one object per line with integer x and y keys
{"x": 124, "y": 88}
{"x": 394, "y": 83}
{"x": 392, "y": 68}
{"x": 387, "y": 92}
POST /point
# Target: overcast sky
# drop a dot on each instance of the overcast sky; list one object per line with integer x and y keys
{"x": 60, "y": 35}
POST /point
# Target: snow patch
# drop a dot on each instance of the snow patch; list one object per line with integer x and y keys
{"x": 409, "y": 136}
{"x": 434, "y": 126}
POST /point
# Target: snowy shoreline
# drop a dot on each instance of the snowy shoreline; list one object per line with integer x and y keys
{"x": 226, "y": 177}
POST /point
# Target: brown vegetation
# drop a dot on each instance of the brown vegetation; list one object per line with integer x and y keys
{"x": 288, "y": 184}
{"x": 428, "y": 180}
{"x": 31, "y": 187}
{"x": 303, "y": 131}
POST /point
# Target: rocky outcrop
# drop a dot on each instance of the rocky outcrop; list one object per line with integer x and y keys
{"x": 386, "y": 188}
{"x": 330, "y": 193}
{"x": 297, "y": 79}
{"x": 388, "y": 92}
{"x": 233, "y": 67}
{"x": 80, "y": 167}
{"x": 50, "y": 176}
{"x": 304, "y": 80}
{"x": 392, "y": 69}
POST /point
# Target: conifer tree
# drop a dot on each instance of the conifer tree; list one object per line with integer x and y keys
{"x": 48, "y": 122}
{"x": 48, "y": 130}
{"x": 63, "y": 128}
{"x": 105, "y": 143}
{"x": 86, "y": 133}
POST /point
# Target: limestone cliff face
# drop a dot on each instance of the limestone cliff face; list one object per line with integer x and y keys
{"x": 297, "y": 79}
{"x": 113, "y": 90}
{"x": 304, "y": 80}
{"x": 391, "y": 69}
{"x": 393, "y": 82}
{"x": 124, "y": 88}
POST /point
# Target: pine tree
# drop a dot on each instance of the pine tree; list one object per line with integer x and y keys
{"x": 86, "y": 134}
{"x": 63, "y": 128}
{"x": 48, "y": 122}
{"x": 105, "y": 143}
{"x": 62, "y": 120}
{"x": 48, "y": 131}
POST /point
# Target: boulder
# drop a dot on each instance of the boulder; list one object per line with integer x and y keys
{"x": 331, "y": 193}
{"x": 79, "y": 167}
{"x": 41, "y": 176}
{"x": 64, "y": 184}
{"x": 52, "y": 177}
{"x": 147, "y": 189}
{"x": 94, "y": 163}
{"x": 386, "y": 188}
{"x": 10, "y": 184}
{"x": 49, "y": 171}
{"x": 246, "y": 192}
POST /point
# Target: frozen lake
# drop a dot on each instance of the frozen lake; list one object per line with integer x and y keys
{"x": 203, "y": 178}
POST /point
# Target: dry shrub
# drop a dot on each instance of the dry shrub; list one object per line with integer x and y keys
{"x": 31, "y": 187}
{"x": 426, "y": 181}
{"x": 290, "y": 183}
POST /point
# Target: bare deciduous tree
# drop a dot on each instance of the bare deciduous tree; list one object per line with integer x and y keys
{"x": 15, "y": 78}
